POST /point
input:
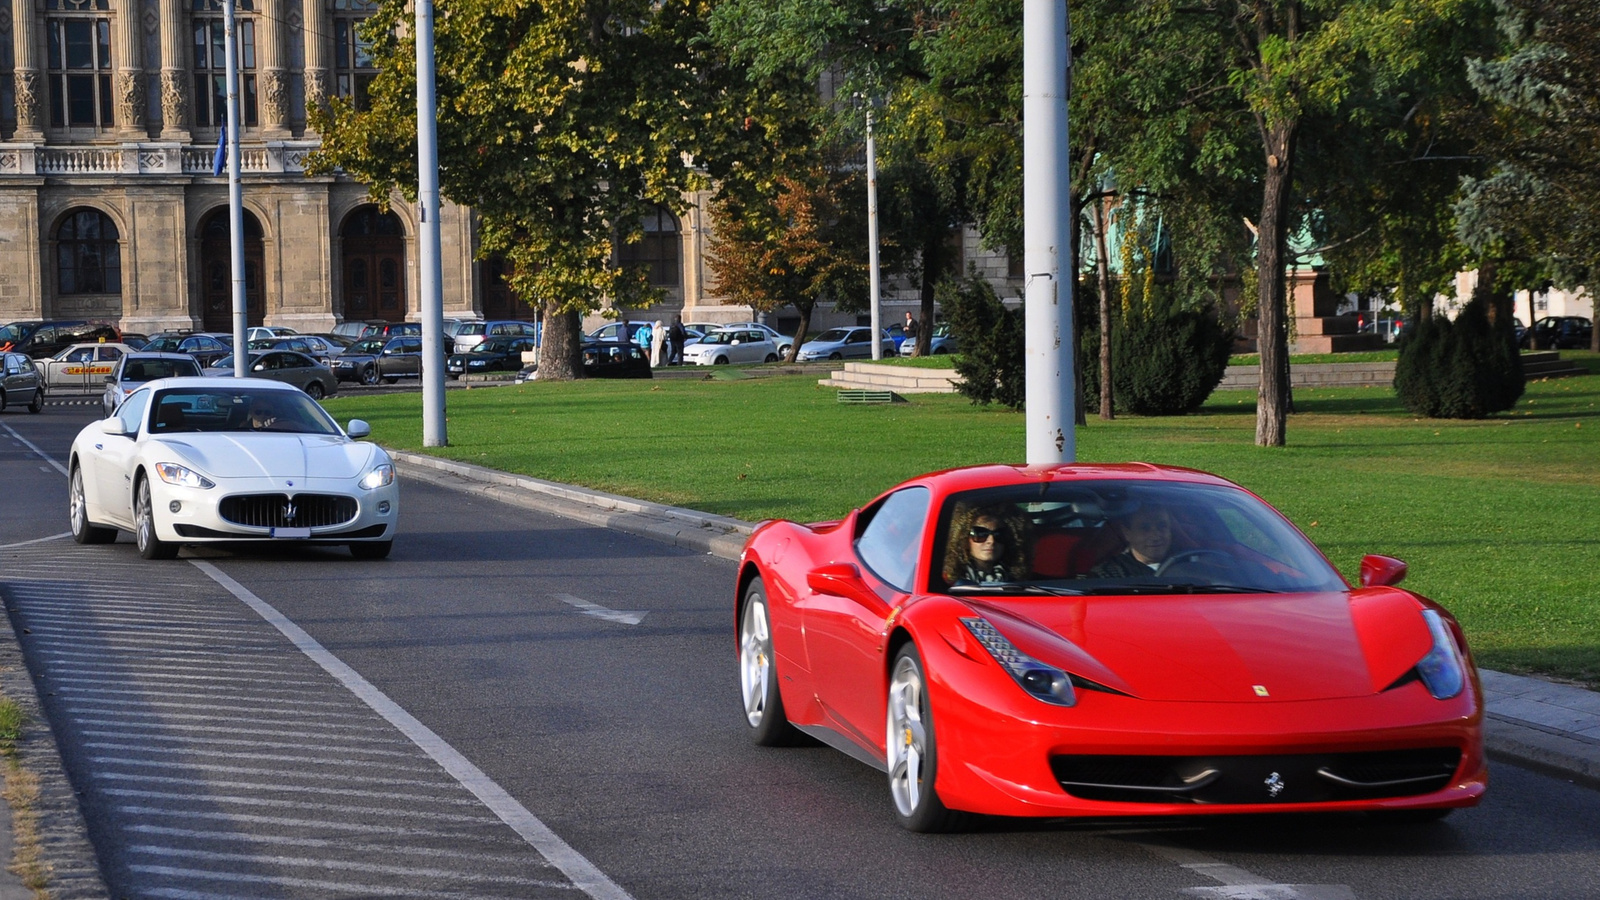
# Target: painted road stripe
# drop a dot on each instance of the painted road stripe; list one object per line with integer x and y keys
{"x": 367, "y": 811}
{"x": 285, "y": 788}
{"x": 348, "y": 889}
{"x": 346, "y": 865}
{"x": 113, "y": 692}
{"x": 584, "y": 874}
{"x": 600, "y": 612}
{"x": 282, "y": 840}
{"x": 209, "y": 729}
{"x": 263, "y": 757}
{"x": 187, "y": 740}
{"x": 40, "y": 453}
{"x": 1238, "y": 884}
{"x": 231, "y": 818}
{"x": 134, "y": 762}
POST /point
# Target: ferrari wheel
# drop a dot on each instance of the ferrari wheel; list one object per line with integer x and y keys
{"x": 144, "y": 531}
{"x": 758, "y": 678}
{"x": 912, "y": 753}
{"x": 369, "y": 375}
{"x": 84, "y": 531}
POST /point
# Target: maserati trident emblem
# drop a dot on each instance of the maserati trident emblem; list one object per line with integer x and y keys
{"x": 289, "y": 511}
{"x": 1274, "y": 785}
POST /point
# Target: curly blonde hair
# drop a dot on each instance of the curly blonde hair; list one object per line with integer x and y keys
{"x": 1013, "y": 530}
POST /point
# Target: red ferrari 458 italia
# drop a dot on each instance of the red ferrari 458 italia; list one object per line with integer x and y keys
{"x": 1105, "y": 640}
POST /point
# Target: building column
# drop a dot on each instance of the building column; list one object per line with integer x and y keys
{"x": 175, "y": 79}
{"x": 27, "y": 81}
{"x": 315, "y": 34}
{"x": 274, "y": 77}
{"x": 129, "y": 83}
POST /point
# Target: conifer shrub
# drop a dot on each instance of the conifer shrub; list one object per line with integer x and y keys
{"x": 1462, "y": 369}
{"x": 991, "y": 363}
{"x": 1165, "y": 359}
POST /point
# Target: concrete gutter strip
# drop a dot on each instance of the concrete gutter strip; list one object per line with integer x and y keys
{"x": 1541, "y": 725}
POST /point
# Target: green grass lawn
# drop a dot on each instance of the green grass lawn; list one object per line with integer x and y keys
{"x": 1499, "y": 519}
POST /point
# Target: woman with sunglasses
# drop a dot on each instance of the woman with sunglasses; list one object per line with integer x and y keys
{"x": 987, "y": 544}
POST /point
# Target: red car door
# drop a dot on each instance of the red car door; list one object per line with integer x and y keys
{"x": 844, "y": 614}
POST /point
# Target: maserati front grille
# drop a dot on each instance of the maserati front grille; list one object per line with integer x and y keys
{"x": 285, "y": 511}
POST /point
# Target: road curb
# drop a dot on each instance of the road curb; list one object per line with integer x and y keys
{"x": 1508, "y": 737}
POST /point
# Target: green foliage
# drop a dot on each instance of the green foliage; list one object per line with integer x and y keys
{"x": 1165, "y": 359}
{"x": 1462, "y": 369}
{"x": 991, "y": 364}
{"x": 12, "y": 721}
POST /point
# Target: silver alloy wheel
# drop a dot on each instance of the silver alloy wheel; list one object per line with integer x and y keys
{"x": 755, "y": 659}
{"x": 144, "y": 531}
{"x": 77, "y": 506}
{"x": 908, "y": 737}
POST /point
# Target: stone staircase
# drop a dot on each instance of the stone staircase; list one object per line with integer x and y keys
{"x": 899, "y": 379}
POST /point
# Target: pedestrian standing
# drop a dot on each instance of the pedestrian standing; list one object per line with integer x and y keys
{"x": 677, "y": 337}
{"x": 910, "y": 329}
{"x": 658, "y": 345}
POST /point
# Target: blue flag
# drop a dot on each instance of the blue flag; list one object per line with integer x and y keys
{"x": 220, "y": 161}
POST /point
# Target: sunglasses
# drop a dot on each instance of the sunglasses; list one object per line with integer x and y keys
{"x": 981, "y": 534}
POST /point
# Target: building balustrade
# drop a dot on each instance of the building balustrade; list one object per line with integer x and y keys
{"x": 153, "y": 158}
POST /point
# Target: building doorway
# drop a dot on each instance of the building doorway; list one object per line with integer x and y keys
{"x": 499, "y": 302}
{"x": 216, "y": 273}
{"x": 374, "y": 265}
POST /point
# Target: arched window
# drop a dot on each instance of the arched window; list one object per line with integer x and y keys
{"x": 88, "y": 258}
{"x": 658, "y": 251}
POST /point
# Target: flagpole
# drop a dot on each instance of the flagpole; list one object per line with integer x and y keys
{"x": 241, "y": 350}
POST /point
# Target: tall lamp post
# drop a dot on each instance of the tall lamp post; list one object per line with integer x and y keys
{"x": 874, "y": 280}
{"x": 1046, "y": 179}
{"x": 230, "y": 46}
{"x": 433, "y": 422}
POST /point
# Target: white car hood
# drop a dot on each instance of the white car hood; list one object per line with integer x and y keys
{"x": 272, "y": 455}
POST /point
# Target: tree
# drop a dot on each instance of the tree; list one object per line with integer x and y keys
{"x": 561, "y": 123}
{"x": 1538, "y": 210}
{"x": 792, "y": 248}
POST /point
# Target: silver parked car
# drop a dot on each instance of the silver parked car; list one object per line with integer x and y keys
{"x": 20, "y": 382}
{"x": 940, "y": 343}
{"x": 845, "y": 343}
{"x": 134, "y": 369}
{"x": 731, "y": 345}
{"x": 286, "y": 366}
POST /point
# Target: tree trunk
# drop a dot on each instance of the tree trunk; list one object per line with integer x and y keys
{"x": 1103, "y": 280}
{"x": 561, "y": 357}
{"x": 1533, "y": 337}
{"x": 929, "y": 286}
{"x": 805, "y": 308}
{"x": 1272, "y": 333}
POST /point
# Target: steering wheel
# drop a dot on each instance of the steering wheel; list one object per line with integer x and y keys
{"x": 1202, "y": 558}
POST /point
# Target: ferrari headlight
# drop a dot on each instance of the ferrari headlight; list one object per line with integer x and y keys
{"x": 1442, "y": 670}
{"x": 382, "y": 476}
{"x": 172, "y": 473}
{"x": 1047, "y": 683}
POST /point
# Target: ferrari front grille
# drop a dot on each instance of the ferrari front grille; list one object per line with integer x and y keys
{"x": 284, "y": 511}
{"x": 1284, "y": 778}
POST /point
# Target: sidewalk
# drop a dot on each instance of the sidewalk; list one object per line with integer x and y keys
{"x": 1541, "y": 725}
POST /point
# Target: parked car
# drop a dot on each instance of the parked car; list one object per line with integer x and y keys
{"x": 315, "y": 346}
{"x": 782, "y": 341}
{"x": 493, "y": 355}
{"x": 374, "y": 359}
{"x": 135, "y": 340}
{"x": 605, "y": 359}
{"x": 286, "y": 366}
{"x": 470, "y": 334}
{"x": 996, "y": 640}
{"x": 81, "y": 365}
{"x": 392, "y": 329}
{"x": 135, "y": 370}
{"x": 844, "y": 343}
{"x": 1560, "y": 333}
{"x": 20, "y": 383}
{"x": 940, "y": 343}
{"x": 261, "y": 332}
{"x": 205, "y": 348}
{"x": 201, "y": 460}
{"x": 731, "y": 345}
{"x": 40, "y": 338}
{"x": 354, "y": 330}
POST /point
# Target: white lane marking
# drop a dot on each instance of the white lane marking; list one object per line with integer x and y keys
{"x": 53, "y": 537}
{"x": 187, "y": 741}
{"x": 66, "y": 675}
{"x": 584, "y": 874}
{"x": 212, "y": 729}
{"x": 236, "y": 755}
{"x": 188, "y": 813}
{"x": 346, "y": 865}
{"x": 369, "y": 812}
{"x": 40, "y": 453}
{"x": 600, "y": 612}
{"x": 342, "y": 777}
{"x": 262, "y": 717}
{"x": 113, "y": 692}
{"x": 244, "y": 837}
{"x": 146, "y": 778}
{"x": 1238, "y": 884}
{"x": 360, "y": 890}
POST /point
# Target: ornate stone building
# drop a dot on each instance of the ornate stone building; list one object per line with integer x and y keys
{"x": 110, "y": 112}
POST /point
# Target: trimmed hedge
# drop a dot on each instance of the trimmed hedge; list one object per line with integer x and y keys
{"x": 991, "y": 363}
{"x": 1163, "y": 363}
{"x": 1462, "y": 369}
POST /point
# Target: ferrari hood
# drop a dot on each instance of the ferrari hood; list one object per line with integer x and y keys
{"x": 1258, "y": 648}
{"x": 272, "y": 455}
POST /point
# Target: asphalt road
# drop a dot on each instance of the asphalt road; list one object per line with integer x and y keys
{"x": 489, "y": 626}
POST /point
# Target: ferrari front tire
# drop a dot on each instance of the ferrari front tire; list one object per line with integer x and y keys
{"x": 144, "y": 530}
{"x": 912, "y": 751}
{"x": 758, "y": 676}
{"x": 84, "y": 531}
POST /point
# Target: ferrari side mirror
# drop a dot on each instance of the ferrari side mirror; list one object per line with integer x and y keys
{"x": 1381, "y": 571}
{"x": 839, "y": 580}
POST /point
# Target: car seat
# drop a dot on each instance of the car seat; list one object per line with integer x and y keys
{"x": 169, "y": 417}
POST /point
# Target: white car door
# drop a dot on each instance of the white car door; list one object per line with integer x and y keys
{"x": 109, "y": 472}
{"x": 748, "y": 349}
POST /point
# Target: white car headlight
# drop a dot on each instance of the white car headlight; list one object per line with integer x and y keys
{"x": 382, "y": 476}
{"x": 1046, "y": 683}
{"x": 172, "y": 473}
{"x": 1442, "y": 671}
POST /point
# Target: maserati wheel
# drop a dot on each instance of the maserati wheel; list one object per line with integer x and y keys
{"x": 83, "y": 531}
{"x": 144, "y": 533}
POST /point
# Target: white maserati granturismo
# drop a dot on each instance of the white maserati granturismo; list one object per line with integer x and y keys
{"x": 209, "y": 460}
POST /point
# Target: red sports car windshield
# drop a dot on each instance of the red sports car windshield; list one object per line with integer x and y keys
{"x": 1120, "y": 537}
